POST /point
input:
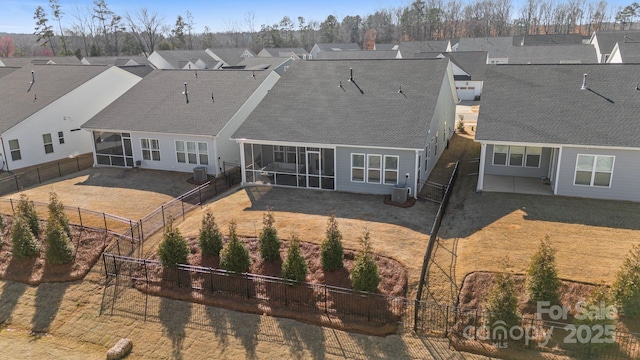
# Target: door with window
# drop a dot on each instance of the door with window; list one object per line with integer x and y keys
{"x": 313, "y": 168}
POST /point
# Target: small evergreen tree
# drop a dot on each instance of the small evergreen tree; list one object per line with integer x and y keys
{"x": 599, "y": 298}
{"x": 3, "y": 225}
{"x": 364, "y": 276}
{"x": 173, "y": 249}
{"x": 25, "y": 244}
{"x": 502, "y": 302}
{"x": 27, "y": 210}
{"x": 59, "y": 247}
{"x": 332, "y": 253}
{"x": 269, "y": 241}
{"x": 235, "y": 256}
{"x": 57, "y": 214}
{"x": 626, "y": 287}
{"x": 294, "y": 266}
{"x": 210, "y": 236}
{"x": 542, "y": 282}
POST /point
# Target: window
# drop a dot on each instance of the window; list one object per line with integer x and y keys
{"x": 203, "y": 154}
{"x": 357, "y": 167}
{"x": 60, "y": 137}
{"x": 14, "y": 147}
{"x": 192, "y": 152}
{"x": 390, "y": 170}
{"x": 500, "y": 154}
{"x": 594, "y": 170}
{"x": 278, "y": 153}
{"x": 533, "y": 156}
{"x": 374, "y": 167}
{"x": 516, "y": 155}
{"x": 48, "y": 143}
{"x": 150, "y": 149}
{"x": 180, "y": 153}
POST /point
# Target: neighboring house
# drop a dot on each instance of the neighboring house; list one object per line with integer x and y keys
{"x": 468, "y": 73}
{"x": 385, "y": 47}
{"x": 604, "y": 41}
{"x": 115, "y": 60}
{"x": 320, "y": 47}
{"x": 361, "y": 126}
{"x": 43, "y": 107}
{"x": 554, "y": 54}
{"x": 53, "y": 60}
{"x": 183, "y": 59}
{"x": 279, "y": 65}
{"x": 625, "y": 53}
{"x": 230, "y": 57}
{"x": 158, "y": 125}
{"x": 549, "y": 39}
{"x": 358, "y": 55}
{"x": 498, "y": 48}
{"x": 408, "y": 49}
{"x": 296, "y": 53}
{"x": 549, "y": 122}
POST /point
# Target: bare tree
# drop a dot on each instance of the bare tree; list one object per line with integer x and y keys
{"x": 148, "y": 27}
{"x": 189, "y": 25}
{"x": 84, "y": 27}
{"x": 57, "y": 15}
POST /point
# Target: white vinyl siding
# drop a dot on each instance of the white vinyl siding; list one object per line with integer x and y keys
{"x": 594, "y": 170}
{"x": 391, "y": 169}
{"x": 150, "y": 149}
{"x": 357, "y": 167}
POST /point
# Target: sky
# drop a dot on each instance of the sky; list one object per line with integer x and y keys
{"x": 16, "y": 16}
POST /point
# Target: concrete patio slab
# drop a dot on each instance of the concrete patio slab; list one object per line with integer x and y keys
{"x": 516, "y": 184}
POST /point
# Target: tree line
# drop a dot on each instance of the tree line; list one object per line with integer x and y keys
{"x": 97, "y": 30}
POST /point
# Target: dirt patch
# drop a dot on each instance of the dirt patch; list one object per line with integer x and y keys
{"x": 88, "y": 245}
{"x": 393, "y": 283}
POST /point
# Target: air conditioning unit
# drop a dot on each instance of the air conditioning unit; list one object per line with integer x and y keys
{"x": 200, "y": 174}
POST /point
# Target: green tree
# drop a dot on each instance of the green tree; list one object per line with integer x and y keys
{"x": 57, "y": 15}
{"x": 501, "y": 305}
{"x": 269, "y": 241}
{"x": 331, "y": 251}
{"x": 364, "y": 275}
{"x": 294, "y": 266}
{"x": 59, "y": 247}
{"x": 210, "y": 236}
{"x": 25, "y": 244}
{"x": 599, "y": 299}
{"x": 330, "y": 30}
{"x": 3, "y": 225}
{"x": 542, "y": 282}
{"x": 626, "y": 287}
{"x": 235, "y": 256}
{"x": 208, "y": 39}
{"x": 178, "y": 33}
{"x": 43, "y": 31}
{"x": 173, "y": 249}
{"x": 26, "y": 209}
{"x": 57, "y": 214}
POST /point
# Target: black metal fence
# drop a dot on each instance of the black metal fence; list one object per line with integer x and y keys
{"x": 38, "y": 175}
{"x": 433, "y": 191}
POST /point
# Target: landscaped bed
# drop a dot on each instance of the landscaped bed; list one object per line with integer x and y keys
{"x": 268, "y": 298}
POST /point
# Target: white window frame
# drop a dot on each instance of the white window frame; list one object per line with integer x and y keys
{"x": 594, "y": 170}
{"x": 203, "y": 152}
{"x": 49, "y": 143}
{"x": 61, "y": 137}
{"x": 280, "y": 149}
{"x": 527, "y": 154}
{"x": 15, "y": 151}
{"x": 378, "y": 169}
{"x": 186, "y": 152}
{"x": 396, "y": 170}
{"x": 363, "y": 167}
{"x": 150, "y": 149}
{"x": 506, "y": 156}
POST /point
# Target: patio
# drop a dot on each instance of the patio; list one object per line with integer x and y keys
{"x": 516, "y": 184}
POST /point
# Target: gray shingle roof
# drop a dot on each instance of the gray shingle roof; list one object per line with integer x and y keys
{"x": 549, "y": 39}
{"x": 57, "y": 60}
{"x": 179, "y": 58}
{"x": 156, "y": 103}
{"x": 386, "y": 47}
{"x": 51, "y": 83}
{"x": 608, "y": 39}
{"x": 357, "y": 55}
{"x": 338, "y": 46}
{"x": 554, "y": 54}
{"x": 630, "y": 52}
{"x": 307, "y": 104}
{"x": 544, "y": 104}
{"x": 497, "y": 47}
{"x": 282, "y": 52}
{"x": 408, "y": 49}
{"x": 472, "y": 62}
{"x": 261, "y": 63}
{"x": 4, "y": 71}
{"x": 116, "y": 60}
{"x": 230, "y": 56}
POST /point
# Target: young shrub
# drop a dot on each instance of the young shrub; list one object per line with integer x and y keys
{"x": 210, "y": 236}
{"x": 27, "y": 210}
{"x": 294, "y": 266}
{"x": 460, "y": 125}
{"x": 542, "y": 282}
{"x": 235, "y": 256}
{"x": 173, "y": 249}
{"x": 25, "y": 244}
{"x": 269, "y": 241}
{"x": 59, "y": 247}
{"x": 3, "y": 225}
{"x": 364, "y": 276}
{"x": 332, "y": 253}
{"x": 501, "y": 305}
{"x": 57, "y": 214}
{"x": 599, "y": 299}
{"x": 626, "y": 287}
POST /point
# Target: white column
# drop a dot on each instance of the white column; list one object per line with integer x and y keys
{"x": 483, "y": 153}
{"x": 415, "y": 176}
{"x": 242, "y": 164}
{"x": 555, "y": 184}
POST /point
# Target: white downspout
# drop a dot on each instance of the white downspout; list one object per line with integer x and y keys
{"x": 242, "y": 164}
{"x": 415, "y": 177}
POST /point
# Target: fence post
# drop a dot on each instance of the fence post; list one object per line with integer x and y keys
{"x": 131, "y": 229}
{"x": 104, "y": 217}
{"x": 248, "y": 291}
{"x": 446, "y": 324}
{"x": 325, "y": 297}
{"x": 286, "y": 299}
{"x": 15, "y": 177}
{"x": 80, "y": 216}
{"x": 200, "y": 195}
{"x": 182, "y": 203}
{"x": 211, "y": 276}
{"x": 78, "y": 163}
{"x": 146, "y": 299}
{"x": 59, "y": 170}
{"x": 12, "y": 209}
{"x": 164, "y": 225}
{"x": 38, "y": 172}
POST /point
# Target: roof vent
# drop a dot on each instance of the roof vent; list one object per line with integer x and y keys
{"x": 253, "y": 75}
{"x": 584, "y": 82}
{"x": 186, "y": 93}
{"x": 351, "y": 74}
{"x": 340, "y": 85}
{"x": 33, "y": 80}
{"x": 195, "y": 73}
{"x": 212, "y": 99}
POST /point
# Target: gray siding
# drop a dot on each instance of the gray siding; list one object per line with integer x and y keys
{"x": 625, "y": 181}
{"x": 543, "y": 170}
{"x": 406, "y": 164}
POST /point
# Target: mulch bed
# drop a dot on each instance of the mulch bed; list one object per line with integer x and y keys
{"x": 88, "y": 246}
{"x": 392, "y": 273}
{"x": 407, "y": 204}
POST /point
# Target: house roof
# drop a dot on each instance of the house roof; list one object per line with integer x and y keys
{"x": 548, "y": 39}
{"x": 472, "y": 62}
{"x": 608, "y": 39}
{"x": 4, "y": 71}
{"x": 20, "y": 99}
{"x": 554, "y": 54}
{"x": 497, "y": 47}
{"x": 386, "y": 47}
{"x": 308, "y": 105}
{"x": 282, "y": 52}
{"x": 117, "y": 60}
{"x": 261, "y": 63}
{"x": 24, "y": 61}
{"x": 179, "y": 58}
{"x": 630, "y": 52}
{"x": 337, "y": 46}
{"x": 409, "y": 48}
{"x": 357, "y": 55}
{"x": 545, "y": 104}
{"x": 230, "y": 56}
{"x": 157, "y": 103}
